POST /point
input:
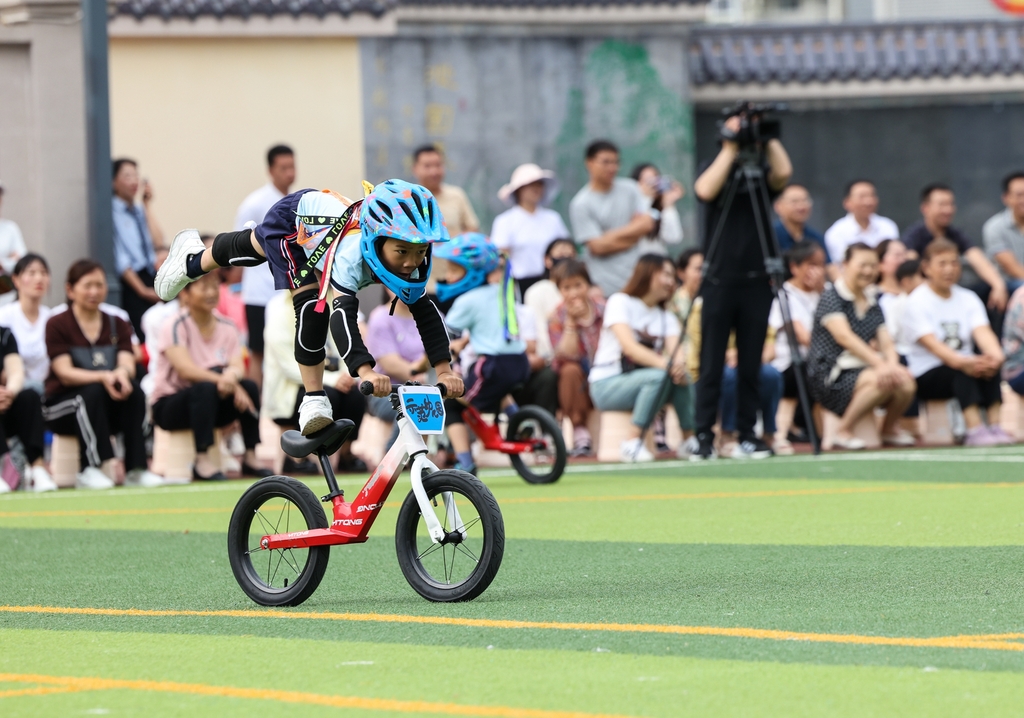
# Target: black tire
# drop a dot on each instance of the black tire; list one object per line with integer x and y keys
{"x": 281, "y": 577}
{"x": 532, "y": 422}
{"x": 480, "y": 545}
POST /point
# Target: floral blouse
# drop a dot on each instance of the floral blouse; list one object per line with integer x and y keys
{"x": 588, "y": 336}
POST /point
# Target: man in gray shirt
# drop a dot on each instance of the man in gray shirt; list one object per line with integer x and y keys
{"x": 609, "y": 217}
{"x": 1003, "y": 234}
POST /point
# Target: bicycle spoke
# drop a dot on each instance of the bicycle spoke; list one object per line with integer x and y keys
{"x": 444, "y": 557}
{"x": 266, "y": 525}
{"x": 280, "y": 556}
{"x": 466, "y": 527}
{"x": 452, "y": 571}
{"x": 433, "y": 547}
{"x": 291, "y": 560}
{"x": 462, "y": 547}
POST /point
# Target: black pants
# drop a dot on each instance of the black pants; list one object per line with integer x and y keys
{"x": 135, "y": 305}
{"x": 344, "y": 405}
{"x": 541, "y": 389}
{"x": 202, "y": 410}
{"x": 89, "y": 413}
{"x": 24, "y": 419}
{"x": 255, "y": 319}
{"x": 727, "y": 306}
{"x": 944, "y": 382}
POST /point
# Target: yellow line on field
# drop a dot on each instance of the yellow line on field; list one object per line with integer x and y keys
{"x": 110, "y": 512}
{"x": 986, "y": 642}
{"x": 69, "y": 683}
{"x": 40, "y": 691}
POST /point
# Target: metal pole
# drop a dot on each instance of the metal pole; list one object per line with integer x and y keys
{"x": 97, "y": 128}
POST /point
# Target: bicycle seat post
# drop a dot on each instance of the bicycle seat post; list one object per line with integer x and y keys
{"x": 332, "y": 482}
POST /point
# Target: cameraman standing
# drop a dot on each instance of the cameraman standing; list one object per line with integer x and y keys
{"x": 736, "y": 289}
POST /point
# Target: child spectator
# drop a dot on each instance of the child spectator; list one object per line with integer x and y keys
{"x": 479, "y": 278}
{"x": 543, "y": 296}
{"x": 200, "y": 384}
{"x": 575, "y": 331}
{"x": 891, "y": 254}
{"x": 27, "y": 318}
{"x": 942, "y": 323}
{"x": 638, "y": 336}
{"x": 1013, "y": 342}
{"x": 21, "y": 415}
{"x": 92, "y": 391}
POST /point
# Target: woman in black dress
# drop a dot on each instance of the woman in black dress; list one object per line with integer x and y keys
{"x": 852, "y": 365}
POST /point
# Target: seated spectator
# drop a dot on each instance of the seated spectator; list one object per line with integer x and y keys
{"x": 394, "y": 340}
{"x": 860, "y": 224}
{"x": 92, "y": 391}
{"x": 689, "y": 274}
{"x": 1013, "y": 342}
{"x": 908, "y": 278}
{"x": 637, "y": 338}
{"x": 575, "y": 330}
{"x": 943, "y": 323}
{"x": 1003, "y": 234}
{"x": 793, "y": 209}
{"x": 543, "y": 296}
{"x": 21, "y": 415}
{"x": 852, "y": 365}
{"x": 231, "y": 304}
{"x": 891, "y": 255}
{"x": 200, "y": 384}
{"x": 806, "y": 262}
{"x": 529, "y": 226}
{"x": 938, "y": 208}
{"x": 12, "y": 249}
{"x": 283, "y": 390}
{"x": 27, "y": 318}
{"x": 541, "y": 387}
{"x": 661, "y": 193}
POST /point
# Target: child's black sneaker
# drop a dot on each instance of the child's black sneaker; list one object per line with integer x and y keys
{"x": 705, "y": 450}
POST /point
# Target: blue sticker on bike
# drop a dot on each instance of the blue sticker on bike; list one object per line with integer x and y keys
{"x": 424, "y": 407}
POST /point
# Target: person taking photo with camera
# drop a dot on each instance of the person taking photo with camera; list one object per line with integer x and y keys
{"x": 736, "y": 288}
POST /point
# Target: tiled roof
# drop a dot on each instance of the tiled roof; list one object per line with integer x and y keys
{"x": 192, "y": 9}
{"x": 793, "y": 54}
{"x": 546, "y": 3}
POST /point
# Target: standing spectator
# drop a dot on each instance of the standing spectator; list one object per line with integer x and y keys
{"x": 662, "y": 193}
{"x": 1003, "y": 234}
{"x": 528, "y": 227}
{"x": 852, "y": 365}
{"x": 12, "y": 248}
{"x": 575, "y": 331}
{"x": 21, "y": 415}
{"x": 943, "y": 322}
{"x": 200, "y": 385}
{"x": 860, "y": 224}
{"x": 257, "y": 284}
{"x": 638, "y": 336}
{"x": 136, "y": 238}
{"x": 92, "y": 391}
{"x": 610, "y": 215}
{"x": 28, "y": 316}
{"x": 938, "y": 208}
{"x": 1013, "y": 342}
{"x": 736, "y": 290}
{"x": 792, "y": 210}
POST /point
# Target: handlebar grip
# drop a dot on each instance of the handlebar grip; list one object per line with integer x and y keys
{"x": 366, "y": 388}
{"x": 443, "y": 389}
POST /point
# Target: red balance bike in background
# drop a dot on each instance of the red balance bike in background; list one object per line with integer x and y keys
{"x": 450, "y": 535}
{"x": 533, "y": 442}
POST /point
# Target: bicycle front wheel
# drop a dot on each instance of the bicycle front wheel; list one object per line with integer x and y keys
{"x": 463, "y": 564}
{"x": 276, "y": 577}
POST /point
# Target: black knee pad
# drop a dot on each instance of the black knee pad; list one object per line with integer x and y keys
{"x": 310, "y": 330}
{"x": 234, "y": 249}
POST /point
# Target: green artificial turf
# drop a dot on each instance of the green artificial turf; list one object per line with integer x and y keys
{"x": 927, "y": 544}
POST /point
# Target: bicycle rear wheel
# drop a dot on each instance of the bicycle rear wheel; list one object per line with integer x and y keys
{"x": 462, "y": 566}
{"x": 276, "y": 577}
{"x": 531, "y": 423}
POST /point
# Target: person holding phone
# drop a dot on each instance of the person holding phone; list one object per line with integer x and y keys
{"x": 663, "y": 193}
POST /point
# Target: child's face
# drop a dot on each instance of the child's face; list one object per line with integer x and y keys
{"x": 454, "y": 272}
{"x": 909, "y": 284}
{"x": 573, "y": 288}
{"x": 402, "y": 258}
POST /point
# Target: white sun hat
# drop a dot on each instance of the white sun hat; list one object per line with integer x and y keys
{"x": 528, "y": 174}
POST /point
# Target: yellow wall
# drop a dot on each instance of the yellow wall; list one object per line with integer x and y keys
{"x": 199, "y": 116}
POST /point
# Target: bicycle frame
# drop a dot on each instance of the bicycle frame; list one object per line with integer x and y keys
{"x": 492, "y": 439}
{"x": 353, "y": 519}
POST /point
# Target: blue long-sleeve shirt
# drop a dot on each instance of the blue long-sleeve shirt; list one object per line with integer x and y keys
{"x": 133, "y": 245}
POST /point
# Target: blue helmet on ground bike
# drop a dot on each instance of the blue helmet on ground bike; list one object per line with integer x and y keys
{"x": 408, "y": 212}
{"x": 475, "y": 253}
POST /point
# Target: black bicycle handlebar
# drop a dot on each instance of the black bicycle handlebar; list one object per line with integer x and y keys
{"x": 366, "y": 388}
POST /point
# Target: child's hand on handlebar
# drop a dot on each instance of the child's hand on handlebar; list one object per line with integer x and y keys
{"x": 452, "y": 383}
{"x": 381, "y": 383}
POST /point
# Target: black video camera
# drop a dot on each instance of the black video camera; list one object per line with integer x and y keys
{"x": 757, "y": 127}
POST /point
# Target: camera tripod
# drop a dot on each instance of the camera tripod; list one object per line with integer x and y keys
{"x": 750, "y": 172}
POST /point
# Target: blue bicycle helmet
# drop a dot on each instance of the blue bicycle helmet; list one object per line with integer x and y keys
{"x": 400, "y": 210}
{"x": 473, "y": 252}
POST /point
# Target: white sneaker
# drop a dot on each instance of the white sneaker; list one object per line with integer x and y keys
{"x": 314, "y": 414}
{"x": 4, "y": 487}
{"x": 144, "y": 478}
{"x": 38, "y": 479}
{"x": 92, "y": 478}
{"x": 172, "y": 276}
{"x": 633, "y": 451}
{"x": 688, "y": 448}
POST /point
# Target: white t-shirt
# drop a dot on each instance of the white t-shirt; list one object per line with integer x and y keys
{"x": 257, "y": 282}
{"x": 644, "y": 320}
{"x": 526, "y": 235}
{"x": 951, "y": 321}
{"x": 12, "y": 246}
{"x": 31, "y": 339}
{"x": 801, "y": 309}
{"x": 543, "y": 298}
{"x": 893, "y": 307}
{"x": 846, "y": 231}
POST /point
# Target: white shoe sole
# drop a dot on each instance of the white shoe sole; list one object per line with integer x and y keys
{"x": 317, "y": 423}
{"x": 756, "y": 455}
{"x": 185, "y": 242}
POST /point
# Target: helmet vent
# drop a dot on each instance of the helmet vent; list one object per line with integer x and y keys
{"x": 369, "y": 211}
{"x": 419, "y": 204}
{"x": 385, "y": 209}
{"x": 408, "y": 212}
